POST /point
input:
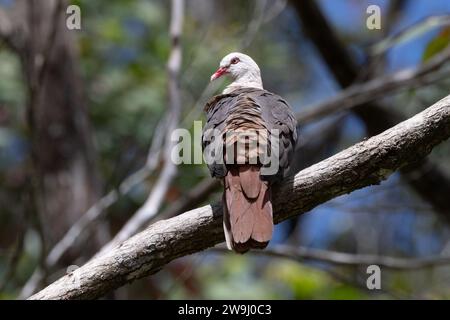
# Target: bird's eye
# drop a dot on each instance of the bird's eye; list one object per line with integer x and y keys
{"x": 234, "y": 60}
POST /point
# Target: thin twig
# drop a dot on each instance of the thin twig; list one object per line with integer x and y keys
{"x": 359, "y": 94}
{"x": 348, "y": 259}
{"x": 414, "y": 30}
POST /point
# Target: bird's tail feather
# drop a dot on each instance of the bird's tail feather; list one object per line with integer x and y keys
{"x": 248, "y": 221}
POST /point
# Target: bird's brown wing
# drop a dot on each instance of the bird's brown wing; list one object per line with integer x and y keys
{"x": 278, "y": 115}
{"x": 217, "y": 110}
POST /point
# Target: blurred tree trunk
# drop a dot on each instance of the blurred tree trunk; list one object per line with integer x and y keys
{"x": 66, "y": 183}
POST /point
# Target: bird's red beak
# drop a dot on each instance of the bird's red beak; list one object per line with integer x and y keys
{"x": 220, "y": 72}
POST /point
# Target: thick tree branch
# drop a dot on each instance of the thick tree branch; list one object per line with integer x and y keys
{"x": 376, "y": 117}
{"x": 366, "y": 163}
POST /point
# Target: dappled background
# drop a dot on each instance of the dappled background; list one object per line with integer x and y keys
{"x": 84, "y": 131}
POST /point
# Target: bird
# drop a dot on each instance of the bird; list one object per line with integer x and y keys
{"x": 248, "y": 129}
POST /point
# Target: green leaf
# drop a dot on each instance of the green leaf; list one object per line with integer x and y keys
{"x": 436, "y": 45}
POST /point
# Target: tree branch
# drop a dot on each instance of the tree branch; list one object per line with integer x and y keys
{"x": 365, "y": 92}
{"x": 425, "y": 25}
{"x": 349, "y": 259}
{"x": 366, "y": 163}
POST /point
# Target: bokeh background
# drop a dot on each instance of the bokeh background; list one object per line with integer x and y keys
{"x": 80, "y": 129}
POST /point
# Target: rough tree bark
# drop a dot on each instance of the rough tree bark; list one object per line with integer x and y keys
{"x": 377, "y": 118}
{"x": 366, "y": 163}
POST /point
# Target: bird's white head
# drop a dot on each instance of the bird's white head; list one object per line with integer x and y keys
{"x": 242, "y": 69}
